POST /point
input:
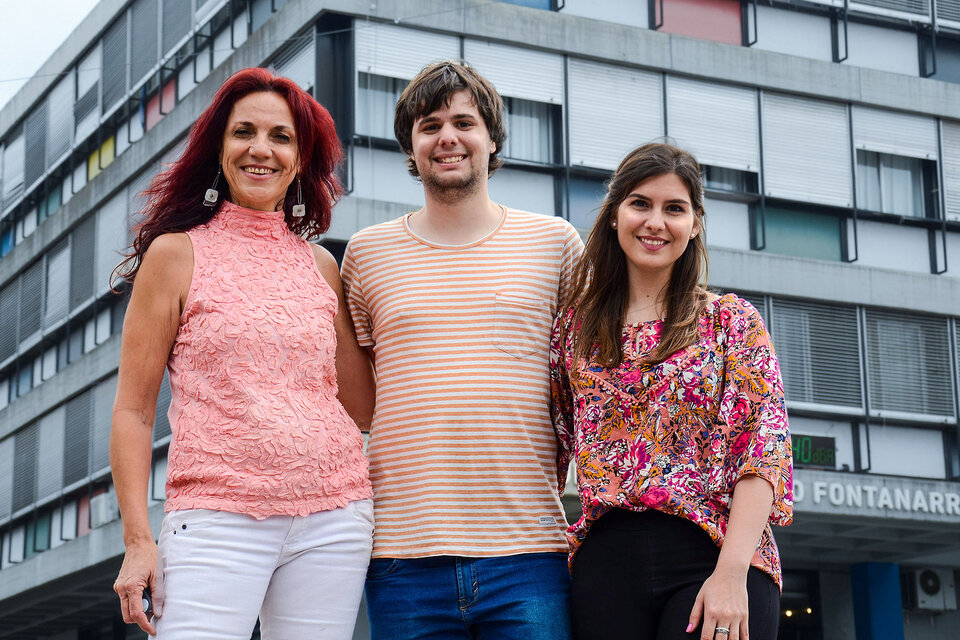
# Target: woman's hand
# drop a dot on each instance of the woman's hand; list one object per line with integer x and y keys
{"x": 722, "y": 604}
{"x": 139, "y": 572}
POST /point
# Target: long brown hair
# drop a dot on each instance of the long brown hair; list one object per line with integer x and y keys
{"x": 600, "y": 281}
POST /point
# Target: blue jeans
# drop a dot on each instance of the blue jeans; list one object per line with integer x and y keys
{"x": 522, "y": 597}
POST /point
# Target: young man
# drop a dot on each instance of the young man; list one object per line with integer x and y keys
{"x": 455, "y": 303}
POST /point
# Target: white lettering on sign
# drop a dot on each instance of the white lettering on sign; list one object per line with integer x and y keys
{"x": 849, "y": 494}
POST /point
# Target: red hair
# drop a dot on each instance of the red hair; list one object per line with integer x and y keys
{"x": 175, "y": 196}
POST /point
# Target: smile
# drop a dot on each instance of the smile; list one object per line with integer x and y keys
{"x": 260, "y": 171}
{"x": 656, "y": 242}
{"x": 450, "y": 159}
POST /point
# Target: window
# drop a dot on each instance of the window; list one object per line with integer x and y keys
{"x": 796, "y": 232}
{"x": 896, "y": 184}
{"x": 586, "y": 196}
{"x": 732, "y": 180}
{"x": 376, "y": 100}
{"x": 530, "y": 131}
{"x": 534, "y": 4}
{"x": 819, "y": 350}
{"x": 717, "y": 20}
{"x": 908, "y": 366}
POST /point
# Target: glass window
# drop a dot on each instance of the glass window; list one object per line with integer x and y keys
{"x": 24, "y": 380}
{"x": 895, "y": 184}
{"x": 530, "y": 131}
{"x": 723, "y": 179}
{"x": 376, "y": 100}
{"x": 804, "y": 234}
{"x": 586, "y": 196}
{"x": 535, "y": 4}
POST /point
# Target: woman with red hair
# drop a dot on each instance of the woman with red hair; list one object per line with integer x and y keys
{"x": 268, "y": 496}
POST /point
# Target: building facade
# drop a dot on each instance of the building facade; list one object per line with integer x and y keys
{"x": 829, "y": 132}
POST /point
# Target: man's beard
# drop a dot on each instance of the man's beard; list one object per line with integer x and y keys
{"x": 451, "y": 191}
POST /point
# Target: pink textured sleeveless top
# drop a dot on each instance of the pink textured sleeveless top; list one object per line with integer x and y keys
{"x": 257, "y": 427}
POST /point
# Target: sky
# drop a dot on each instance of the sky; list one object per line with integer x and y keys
{"x": 30, "y": 31}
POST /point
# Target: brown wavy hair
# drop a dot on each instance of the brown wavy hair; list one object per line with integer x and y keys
{"x": 432, "y": 89}
{"x": 600, "y": 281}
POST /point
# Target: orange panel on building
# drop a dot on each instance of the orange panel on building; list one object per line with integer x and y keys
{"x": 717, "y": 20}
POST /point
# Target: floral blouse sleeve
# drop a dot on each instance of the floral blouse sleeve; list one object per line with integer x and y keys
{"x": 753, "y": 408}
{"x": 561, "y": 397}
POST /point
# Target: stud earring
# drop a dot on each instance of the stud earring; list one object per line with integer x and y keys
{"x": 299, "y": 209}
{"x": 613, "y": 224}
{"x": 212, "y": 195}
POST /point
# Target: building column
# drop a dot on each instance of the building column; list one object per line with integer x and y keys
{"x": 877, "y": 606}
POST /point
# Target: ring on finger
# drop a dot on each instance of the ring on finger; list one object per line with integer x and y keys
{"x": 721, "y": 631}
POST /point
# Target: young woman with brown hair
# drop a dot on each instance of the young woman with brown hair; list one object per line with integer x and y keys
{"x": 670, "y": 400}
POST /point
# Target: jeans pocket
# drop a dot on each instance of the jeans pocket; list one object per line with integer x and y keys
{"x": 522, "y": 324}
{"x": 382, "y": 567}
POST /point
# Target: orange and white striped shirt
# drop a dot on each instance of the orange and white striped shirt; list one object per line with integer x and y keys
{"x": 462, "y": 450}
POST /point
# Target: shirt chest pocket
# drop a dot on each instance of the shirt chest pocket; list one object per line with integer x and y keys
{"x": 522, "y": 324}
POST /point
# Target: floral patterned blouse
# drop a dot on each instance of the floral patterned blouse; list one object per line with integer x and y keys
{"x": 677, "y": 436}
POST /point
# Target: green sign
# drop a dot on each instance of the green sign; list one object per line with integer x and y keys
{"x": 814, "y": 451}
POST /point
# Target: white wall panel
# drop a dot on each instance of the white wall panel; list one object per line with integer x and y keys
{"x": 398, "y": 52}
{"x": 524, "y": 190}
{"x": 382, "y": 175}
{"x": 900, "y": 134}
{"x": 892, "y": 246}
{"x": 517, "y": 72}
{"x": 717, "y": 123}
{"x": 113, "y": 237}
{"x": 950, "y": 130}
{"x": 883, "y": 49}
{"x": 6, "y": 477}
{"x": 298, "y": 62}
{"x": 612, "y": 111}
{"x": 88, "y": 71}
{"x": 806, "y": 150}
{"x": 728, "y": 224}
{"x": 953, "y": 256}
{"x": 794, "y": 33}
{"x": 891, "y": 446}
{"x": 633, "y": 13}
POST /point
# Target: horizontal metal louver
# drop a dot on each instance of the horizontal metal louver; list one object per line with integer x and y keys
{"x": 948, "y": 10}
{"x": 113, "y": 237}
{"x": 900, "y": 134}
{"x": 298, "y": 60}
{"x": 518, "y": 72}
{"x": 908, "y": 365}
{"x": 398, "y": 52}
{"x": 950, "y": 130}
{"x": 176, "y": 23}
{"x": 60, "y": 119}
{"x": 50, "y": 454}
{"x": 601, "y": 132}
{"x": 818, "y": 347}
{"x": 103, "y": 395}
{"x": 31, "y": 299}
{"x": 12, "y": 169}
{"x": 161, "y": 421}
{"x": 86, "y": 104}
{"x": 115, "y": 63}
{"x": 916, "y": 7}
{"x": 6, "y": 478}
{"x": 81, "y": 257}
{"x": 25, "y": 467}
{"x": 725, "y": 135}
{"x": 57, "y": 292}
{"x": 76, "y": 438}
{"x": 35, "y": 145}
{"x": 9, "y": 306}
{"x": 143, "y": 39}
{"x": 806, "y": 150}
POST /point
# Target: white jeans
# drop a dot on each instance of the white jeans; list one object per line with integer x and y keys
{"x": 303, "y": 576}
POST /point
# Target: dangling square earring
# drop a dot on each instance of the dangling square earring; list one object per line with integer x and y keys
{"x": 299, "y": 209}
{"x": 212, "y": 195}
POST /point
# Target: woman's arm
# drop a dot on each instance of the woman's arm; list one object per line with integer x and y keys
{"x": 355, "y": 379}
{"x": 722, "y": 601}
{"x": 150, "y": 327}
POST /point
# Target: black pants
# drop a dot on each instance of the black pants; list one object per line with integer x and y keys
{"x": 637, "y": 576}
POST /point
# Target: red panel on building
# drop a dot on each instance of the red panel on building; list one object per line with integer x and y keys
{"x": 169, "y": 97}
{"x": 717, "y": 20}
